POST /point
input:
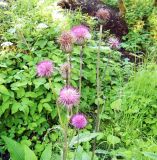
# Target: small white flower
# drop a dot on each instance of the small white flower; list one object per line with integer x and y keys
{"x": 3, "y": 4}
{"x": 40, "y": 2}
{"x": 42, "y": 26}
{"x": 6, "y": 44}
{"x": 12, "y": 30}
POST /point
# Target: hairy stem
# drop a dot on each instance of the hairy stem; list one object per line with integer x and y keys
{"x": 78, "y": 137}
{"x": 65, "y": 148}
{"x": 69, "y": 74}
{"x": 65, "y": 127}
{"x": 98, "y": 89}
{"x": 81, "y": 64}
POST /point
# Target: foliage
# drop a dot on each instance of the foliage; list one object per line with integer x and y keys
{"x": 28, "y": 110}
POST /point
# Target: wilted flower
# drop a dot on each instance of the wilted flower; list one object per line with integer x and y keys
{"x": 66, "y": 41}
{"x": 114, "y": 42}
{"x": 103, "y": 15}
{"x": 42, "y": 26}
{"x": 6, "y": 44}
{"x": 81, "y": 34}
{"x": 45, "y": 68}
{"x": 65, "y": 70}
{"x": 69, "y": 96}
{"x": 79, "y": 121}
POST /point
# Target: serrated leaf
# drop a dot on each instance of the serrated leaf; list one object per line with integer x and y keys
{"x": 4, "y": 90}
{"x": 47, "y": 107}
{"x": 116, "y": 105}
{"x": 15, "y": 149}
{"x": 47, "y": 153}
{"x": 15, "y": 107}
{"x": 83, "y": 137}
{"x": 113, "y": 139}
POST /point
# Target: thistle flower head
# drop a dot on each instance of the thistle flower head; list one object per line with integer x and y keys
{"x": 79, "y": 121}
{"x": 81, "y": 34}
{"x": 114, "y": 42}
{"x": 103, "y": 15}
{"x": 6, "y": 44}
{"x": 66, "y": 41}
{"x": 45, "y": 68}
{"x": 69, "y": 97}
{"x": 65, "y": 70}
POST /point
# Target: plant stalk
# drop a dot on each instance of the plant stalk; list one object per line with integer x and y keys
{"x": 69, "y": 74}
{"x": 81, "y": 64}
{"x": 78, "y": 137}
{"x": 65, "y": 127}
{"x": 98, "y": 89}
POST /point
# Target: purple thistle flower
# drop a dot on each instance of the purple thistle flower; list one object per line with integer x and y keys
{"x": 114, "y": 42}
{"x": 103, "y": 15}
{"x": 78, "y": 121}
{"x": 45, "y": 68}
{"x": 66, "y": 41}
{"x": 69, "y": 96}
{"x": 81, "y": 34}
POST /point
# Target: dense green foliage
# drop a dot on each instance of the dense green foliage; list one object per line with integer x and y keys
{"x": 28, "y": 111}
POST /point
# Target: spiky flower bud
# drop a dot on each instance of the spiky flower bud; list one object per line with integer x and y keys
{"x": 66, "y": 41}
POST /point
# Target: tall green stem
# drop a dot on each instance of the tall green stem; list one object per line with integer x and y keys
{"x": 69, "y": 74}
{"x": 64, "y": 126}
{"x": 65, "y": 148}
{"x": 98, "y": 89}
{"x": 81, "y": 64}
{"x": 78, "y": 137}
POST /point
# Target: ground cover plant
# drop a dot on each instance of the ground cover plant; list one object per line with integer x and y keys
{"x": 73, "y": 89}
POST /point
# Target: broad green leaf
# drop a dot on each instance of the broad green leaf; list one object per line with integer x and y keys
{"x": 4, "y": 107}
{"x": 29, "y": 154}
{"x": 47, "y": 107}
{"x": 150, "y": 155}
{"x": 116, "y": 105}
{"x": 41, "y": 43}
{"x": 4, "y": 90}
{"x": 83, "y": 137}
{"x": 113, "y": 139}
{"x": 15, "y": 149}
{"x": 47, "y": 153}
{"x": 15, "y": 107}
{"x": 2, "y": 80}
{"x": 38, "y": 82}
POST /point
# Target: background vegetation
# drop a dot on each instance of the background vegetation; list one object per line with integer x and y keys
{"x": 27, "y": 108}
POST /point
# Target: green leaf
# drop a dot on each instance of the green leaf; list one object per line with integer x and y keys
{"x": 113, "y": 139}
{"x": 47, "y": 107}
{"x": 38, "y": 82}
{"x": 4, "y": 90}
{"x": 15, "y": 107}
{"x": 83, "y": 137}
{"x": 41, "y": 43}
{"x": 29, "y": 154}
{"x": 47, "y": 153}
{"x": 150, "y": 155}
{"x": 4, "y": 107}
{"x": 116, "y": 105}
{"x": 15, "y": 149}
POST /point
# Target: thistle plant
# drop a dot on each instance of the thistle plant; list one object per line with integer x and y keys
{"x": 81, "y": 35}
{"x": 66, "y": 41}
{"x": 98, "y": 86}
